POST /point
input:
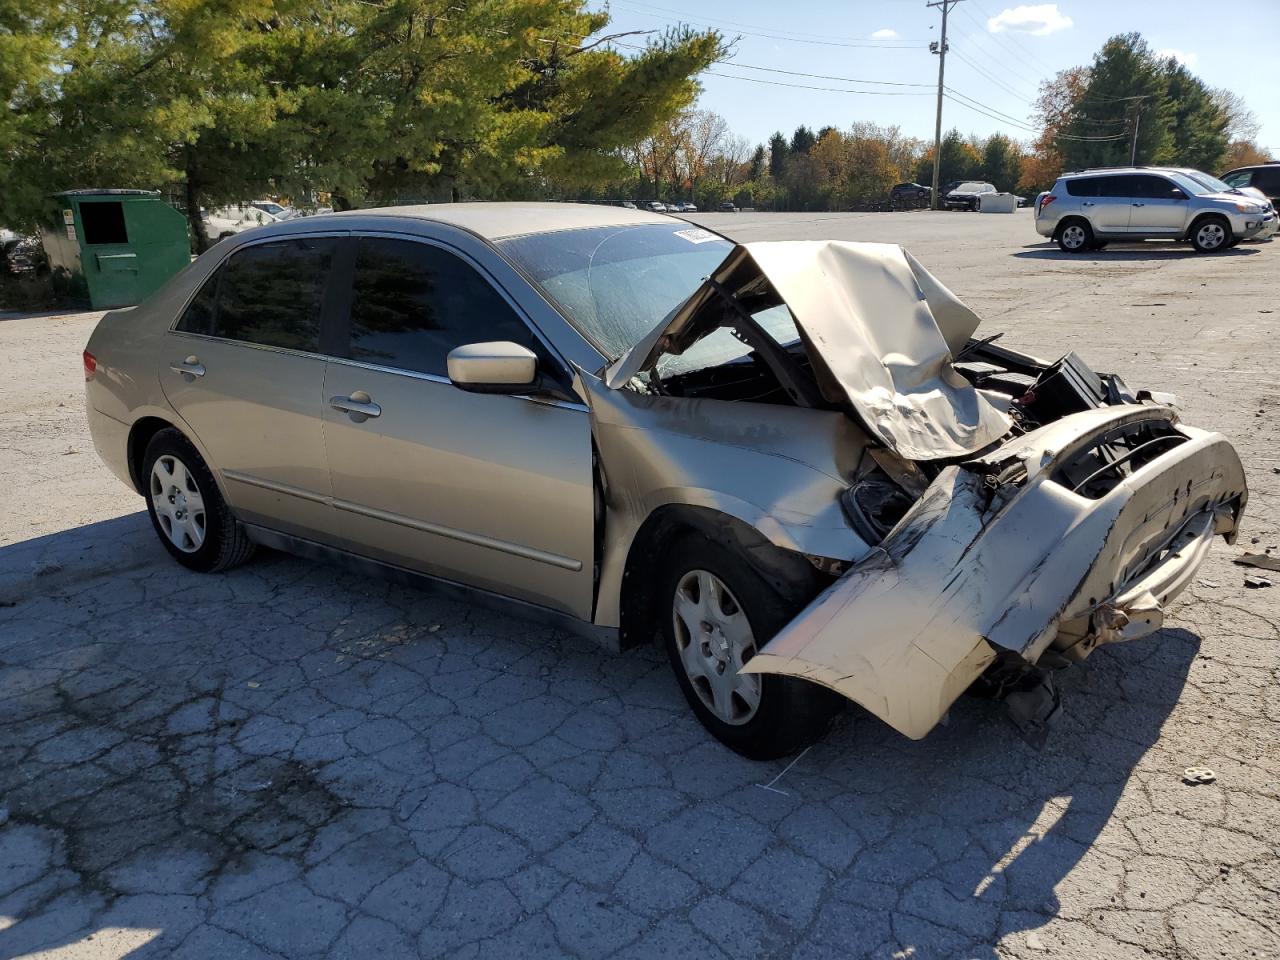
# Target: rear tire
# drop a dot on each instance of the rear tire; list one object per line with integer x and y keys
{"x": 186, "y": 508}
{"x": 1210, "y": 234}
{"x": 710, "y": 600}
{"x": 1074, "y": 235}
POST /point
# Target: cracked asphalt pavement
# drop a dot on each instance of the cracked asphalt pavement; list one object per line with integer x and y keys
{"x": 293, "y": 761}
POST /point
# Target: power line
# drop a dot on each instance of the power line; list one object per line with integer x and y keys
{"x": 798, "y": 73}
{"x": 823, "y": 76}
{"x": 1008, "y": 42}
{"x": 993, "y": 79}
{"x": 1011, "y": 119}
{"x": 1060, "y": 136}
{"x": 807, "y": 86}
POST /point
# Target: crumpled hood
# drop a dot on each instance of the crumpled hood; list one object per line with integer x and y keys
{"x": 880, "y": 331}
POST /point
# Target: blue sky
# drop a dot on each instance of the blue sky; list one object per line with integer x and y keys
{"x": 999, "y": 52}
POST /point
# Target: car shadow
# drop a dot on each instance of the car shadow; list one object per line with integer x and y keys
{"x": 1154, "y": 250}
{"x": 192, "y": 754}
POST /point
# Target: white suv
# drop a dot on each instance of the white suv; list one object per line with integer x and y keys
{"x": 1085, "y": 210}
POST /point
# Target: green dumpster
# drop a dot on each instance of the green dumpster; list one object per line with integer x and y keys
{"x": 113, "y": 248}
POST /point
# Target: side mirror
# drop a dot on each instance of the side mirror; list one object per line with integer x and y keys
{"x": 501, "y": 367}
{"x": 1177, "y": 194}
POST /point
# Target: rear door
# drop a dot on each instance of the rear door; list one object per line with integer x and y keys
{"x": 1155, "y": 211}
{"x": 1110, "y": 210}
{"x": 1267, "y": 179}
{"x": 242, "y": 367}
{"x": 489, "y": 490}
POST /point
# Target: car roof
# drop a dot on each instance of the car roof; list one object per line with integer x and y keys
{"x": 498, "y": 221}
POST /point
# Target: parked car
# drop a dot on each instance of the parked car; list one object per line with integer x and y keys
{"x": 968, "y": 195}
{"x": 654, "y": 206}
{"x": 728, "y": 207}
{"x": 627, "y": 204}
{"x": 1211, "y": 182}
{"x": 228, "y": 221}
{"x": 277, "y": 210}
{"x": 763, "y": 454}
{"x": 909, "y": 193}
{"x": 1262, "y": 176}
{"x": 1086, "y": 210}
{"x": 686, "y": 206}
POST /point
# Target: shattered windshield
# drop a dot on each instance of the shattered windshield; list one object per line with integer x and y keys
{"x": 615, "y": 284}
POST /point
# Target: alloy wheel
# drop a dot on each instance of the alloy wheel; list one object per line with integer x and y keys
{"x": 1211, "y": 236}
{"x": 715, "y": 639}
{"x": 1073, "y": 236}
{"x": 178, "y": 503}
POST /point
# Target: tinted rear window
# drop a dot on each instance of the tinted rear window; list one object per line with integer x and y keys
{"x": 270, "y": 294}
{"x": 1085, "y": 186}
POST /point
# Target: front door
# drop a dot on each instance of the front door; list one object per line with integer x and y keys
{"x": 489, "y": 490}
{"x": 1156, "y": 212}
{"x": 242, "y": 369}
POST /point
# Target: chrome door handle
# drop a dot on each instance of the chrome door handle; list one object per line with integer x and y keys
{"x": 1086, "y": 203}
{"x": 190, "y": 368}
{"x": 1139, "y": 204}
{"x": 359, "y": 406}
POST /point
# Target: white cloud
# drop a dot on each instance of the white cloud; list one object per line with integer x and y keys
{"x": 884, "y": 34}
{"x": 1186, "y": 59}
{"x": 1039, "y": 20}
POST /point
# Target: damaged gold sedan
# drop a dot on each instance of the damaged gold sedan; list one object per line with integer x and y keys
{"x": 793, "y": 462}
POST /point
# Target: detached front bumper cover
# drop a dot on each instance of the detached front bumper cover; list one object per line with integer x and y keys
{"x": 997, "y": 556}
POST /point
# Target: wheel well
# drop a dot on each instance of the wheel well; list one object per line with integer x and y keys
{"x": 1195, "y": 224}
{"x": 139, "y": 436}
{"x": 1067, "y": 221}
{"x": 791, "y": 574}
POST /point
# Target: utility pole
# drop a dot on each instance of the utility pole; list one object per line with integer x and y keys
{"x": 1133, "y": 149}
{"x": 940, "y": 48}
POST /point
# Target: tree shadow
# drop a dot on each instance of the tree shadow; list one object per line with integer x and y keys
{"x": 167, "y": 733}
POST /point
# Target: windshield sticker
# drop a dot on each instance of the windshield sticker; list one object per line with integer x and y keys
{"x": 696, "y": 235}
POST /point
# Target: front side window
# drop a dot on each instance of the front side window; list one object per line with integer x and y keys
{"x": 1238, "y": 180}
{"x": 270, "y": 294}
{"x": 413, "y": 302}
{"x": 1151, "y": 188}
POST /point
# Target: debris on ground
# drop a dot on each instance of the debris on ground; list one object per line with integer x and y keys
{"x": 1256, "y": 583}
{"x": 1261, "y": 560}
{"x": 1207, "y": 583}
{"x": 1198, "y": 775}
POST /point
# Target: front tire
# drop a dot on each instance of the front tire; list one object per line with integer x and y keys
{"x": 186, "y": 508}
{"x": 1211, "y": 234}
{"x": 720, "y": 613}
{"x": 1074, "y": 236}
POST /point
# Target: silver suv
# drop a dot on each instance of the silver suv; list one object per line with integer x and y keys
{"x": 1085, "y": 210}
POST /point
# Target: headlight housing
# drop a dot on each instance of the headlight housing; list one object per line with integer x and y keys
{"x": 1248, "y": 208}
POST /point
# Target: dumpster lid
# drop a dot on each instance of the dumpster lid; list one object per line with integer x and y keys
{"x": 110, "y": 192}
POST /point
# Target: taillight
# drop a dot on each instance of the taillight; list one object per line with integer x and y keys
{"x": 90, "y": 365}
{"x": 1047, "y": 199}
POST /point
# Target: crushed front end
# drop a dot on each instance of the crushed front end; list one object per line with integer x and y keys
{"x": 1068, "y": 537}
{"x": 1016, "y": 513}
